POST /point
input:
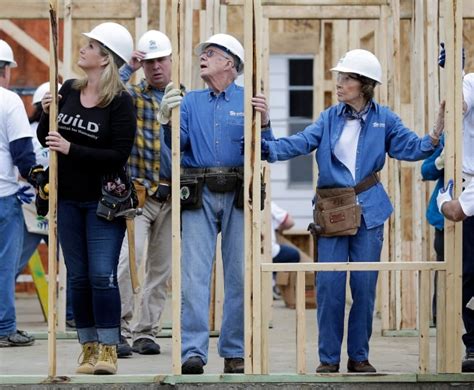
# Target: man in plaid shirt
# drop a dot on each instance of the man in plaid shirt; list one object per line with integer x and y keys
{"x": 150, "y": 165}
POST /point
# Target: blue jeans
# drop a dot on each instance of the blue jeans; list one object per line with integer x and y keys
{"x": 11, "y": 242}
{"x": 287, "y": 254}
{"x": 199, "y": 233}
{"x": 30, "y": 244}
{"x": 366, "y": 245}
{"x": 468, "y": 281}
{"x": 91, "y": 247}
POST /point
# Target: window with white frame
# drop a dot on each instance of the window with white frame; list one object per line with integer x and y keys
{"x": 300, "y": 114}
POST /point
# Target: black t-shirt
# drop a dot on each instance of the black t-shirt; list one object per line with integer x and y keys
{"x": 101, "y": 142}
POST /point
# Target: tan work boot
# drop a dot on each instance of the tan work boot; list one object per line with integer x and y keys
{"x": 107, "y": 362}
{"x": 88, "y": 358}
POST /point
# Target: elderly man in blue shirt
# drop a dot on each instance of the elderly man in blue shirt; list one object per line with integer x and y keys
{"x": 212, "y": 124}
{"x": 352, "y": 140}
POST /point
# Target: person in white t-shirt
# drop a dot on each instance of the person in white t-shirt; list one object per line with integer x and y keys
{"x": 16, "y": 152}
{"x": 456, "y": 209}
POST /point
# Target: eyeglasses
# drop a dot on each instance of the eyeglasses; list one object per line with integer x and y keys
{"x": 343, "y": 78}
{"x": 211, "y": 52}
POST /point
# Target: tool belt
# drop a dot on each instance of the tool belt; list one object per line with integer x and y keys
{"x": 337, "y": 212}
{"x": 217, "y": 179}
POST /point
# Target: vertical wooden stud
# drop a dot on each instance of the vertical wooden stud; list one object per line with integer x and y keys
{"x": 176, "y": 40}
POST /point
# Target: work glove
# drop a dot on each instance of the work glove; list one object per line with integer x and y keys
{"x": 171, "y": 99}
{"x": 24, "y": 195}
{"x": 442, "y": 56}
{"x": 445, "y": 195}
{"x": 264, "y": 148}
{"x": 163, "y": 192}
{"x": 439, "y": 161}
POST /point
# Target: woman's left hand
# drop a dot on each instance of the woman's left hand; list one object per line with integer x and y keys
{"x": 259, "y": 102}
{"x": 56, "y": 142}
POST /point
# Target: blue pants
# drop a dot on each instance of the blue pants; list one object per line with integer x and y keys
{"x": 287, "y": 254}
{"x": 91, "y": 247}
{"x": 199, "y": 233}
{"x": 468, "y": 281}
{"x": 11, "y": 242}
{"x": 366, "y": 245}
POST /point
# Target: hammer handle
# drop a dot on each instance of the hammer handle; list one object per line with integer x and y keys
{"x": 131, "y": 255}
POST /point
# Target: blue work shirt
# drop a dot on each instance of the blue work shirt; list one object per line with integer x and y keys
{"x": 383, "y": 132}
{"x": 430, "y": 172}
{"x": 212, "y": 127}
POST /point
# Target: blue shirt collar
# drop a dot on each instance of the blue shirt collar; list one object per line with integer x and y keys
{"x": 341, "y": 107}
{"x": 226, "y": 93}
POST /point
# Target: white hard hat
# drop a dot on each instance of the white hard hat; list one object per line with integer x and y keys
{"x": 6, "y": 54}
{"x": 40, "y": 91}
{"x": 155, "y": 44}
{"x": 361, "y": 62}
{"x": 115, "y": 37}
{"x": 226, "y": 41}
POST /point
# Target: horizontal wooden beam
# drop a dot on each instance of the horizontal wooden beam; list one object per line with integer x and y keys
{"x": 311, "y": 2}
{"x": 81, "y": 9}
{"x": 359, "y": 266}
{"x": 322, "y": 12}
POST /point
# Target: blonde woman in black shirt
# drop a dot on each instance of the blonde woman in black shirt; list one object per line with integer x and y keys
{"x": 96, "y": 130}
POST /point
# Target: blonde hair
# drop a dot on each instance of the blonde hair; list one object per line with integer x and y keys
{"x": 110, "y": 84}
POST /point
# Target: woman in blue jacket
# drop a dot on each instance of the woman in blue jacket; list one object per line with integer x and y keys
{"x": 352, "y": 139}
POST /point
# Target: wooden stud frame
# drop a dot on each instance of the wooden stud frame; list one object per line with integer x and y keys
{"x": 449, "y": 349}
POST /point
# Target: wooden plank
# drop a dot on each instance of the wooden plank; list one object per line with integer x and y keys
{"x": 424, "y": 302}
{"x": 255, "y": 207}
{"x": 62, "y": 289}
{"x": 312, "y": 2}
{"x": 83, "y": 9}
{"x": 163, "y": 8}
{"x": 359, "y": 266}
{"x": 177, "y": 43}
{"x": 267, "y": 300}
{"x": 441, "y": 323}
{"x": 300, "y": 323}
{"x": 53, "y": 189}
{"x": 322, "y": 12}
{"x": 453, "y": 155}
{"x": 248, "y": 170}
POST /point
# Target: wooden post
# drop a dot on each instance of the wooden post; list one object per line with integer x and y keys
{"x": 424, "y": 301}
{"x": 252, "y": 182}
{"x": 453, "y": 158}
{"x": 300, "y": 323}
{"x": 176, "y": 40}
{"x": 53, "y": 189}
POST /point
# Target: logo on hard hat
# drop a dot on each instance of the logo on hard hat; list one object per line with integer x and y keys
{"x": 152, "y": 44}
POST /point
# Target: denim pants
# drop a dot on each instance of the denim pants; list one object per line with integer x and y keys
{"x": 11, "y": 242}
{"x": 199, "y": 233}
{"x": 468, "y": 281}
{"x": 91, "y": 247}
{"x": 153, "y": 228}
{"x": 365, "y": 246}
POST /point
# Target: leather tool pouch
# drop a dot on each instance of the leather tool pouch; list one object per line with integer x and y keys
{"x": 337, "y": 212}
{"x": 191, "y": 191}
{"x": 221, "y": 182}
{"x": 239, "y": 196}
{"x": 141, "y": 193}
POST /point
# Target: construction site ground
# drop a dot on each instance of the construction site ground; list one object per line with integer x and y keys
{"x": 396, "y": 359}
